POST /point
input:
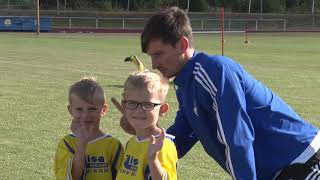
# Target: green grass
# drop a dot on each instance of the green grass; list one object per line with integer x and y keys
{"x": 35, "y": 73}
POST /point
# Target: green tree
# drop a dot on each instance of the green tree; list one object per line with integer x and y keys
{"x": 198, "y": 6}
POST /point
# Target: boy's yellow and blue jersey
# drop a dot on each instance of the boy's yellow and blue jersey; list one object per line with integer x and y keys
{"x": 135, "y": 164}
{"x": 103, "y": 158}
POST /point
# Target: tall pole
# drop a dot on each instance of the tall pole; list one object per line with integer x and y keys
{"x": 312, "y": 11}
{"x": 261, "y": 9}
{"x": 249, "y": 6}
{"x": 128, "y": 3}
{"x": 58, "y": 8}
{"x": 188, "y": 5}
{"x": 38, "y": 17}
{"x": 222, "y": 31}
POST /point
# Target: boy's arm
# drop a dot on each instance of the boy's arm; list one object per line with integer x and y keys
{"x": 82, "y": 133}
{"x": 78, "y": 163}
{"x": 156, "y": 170}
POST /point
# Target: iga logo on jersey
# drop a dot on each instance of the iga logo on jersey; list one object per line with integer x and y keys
{"x": 131, "y": 163}
{"x": 96, "y": 164}
{"x": 130, "y": 166}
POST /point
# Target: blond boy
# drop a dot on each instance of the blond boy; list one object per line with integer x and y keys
{"x": 151, "y": 152}
{"x": 87, "y": 153}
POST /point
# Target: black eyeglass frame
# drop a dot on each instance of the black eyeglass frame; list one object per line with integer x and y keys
{"x": 142, "y": 104}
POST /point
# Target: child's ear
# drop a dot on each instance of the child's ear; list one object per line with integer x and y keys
{"x": 104, "y": 110}
{"x": 69, "y": 109}
{"x": 163, "y": 109}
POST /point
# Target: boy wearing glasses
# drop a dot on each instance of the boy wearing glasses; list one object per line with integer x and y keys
{"x": 151, "y": 153}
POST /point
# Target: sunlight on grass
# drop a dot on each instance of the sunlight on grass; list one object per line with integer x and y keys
{"x": 35, "y": 74}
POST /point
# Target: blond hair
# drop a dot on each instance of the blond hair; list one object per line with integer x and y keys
{"x": 88, "y": 90}
{"x": 149, "y": 80}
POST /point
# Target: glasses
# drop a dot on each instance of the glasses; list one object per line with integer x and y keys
{"x": 147, "y": 106}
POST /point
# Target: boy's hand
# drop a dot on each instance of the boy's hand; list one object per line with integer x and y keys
{"x": 125, "y": 125}
{"x": 82, "y": 131}
{"x": 155, "y": 145}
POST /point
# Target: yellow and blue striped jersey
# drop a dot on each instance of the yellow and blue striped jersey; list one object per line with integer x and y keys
{"x": 135, "y": 164}
{"x": 103, "y": 158}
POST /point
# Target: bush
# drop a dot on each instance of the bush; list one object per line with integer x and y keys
{"x": 198, "y": 5}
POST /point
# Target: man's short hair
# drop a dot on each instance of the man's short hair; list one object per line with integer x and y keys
{"x": 168, "y": 25}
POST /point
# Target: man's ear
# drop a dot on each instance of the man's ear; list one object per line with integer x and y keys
{"x": 104, "y": 110}
{"x": 163, "y": 109}
{"x": 184, "y": 44}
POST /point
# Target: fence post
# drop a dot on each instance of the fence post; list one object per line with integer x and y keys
{"x": 97, "y": 25}
{"x": 122, "y": 23}
{"x": 70, "y": 23}
{"x": 202, "y": 24}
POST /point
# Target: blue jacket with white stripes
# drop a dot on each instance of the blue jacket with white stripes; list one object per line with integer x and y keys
{"x": 244, "y": 126}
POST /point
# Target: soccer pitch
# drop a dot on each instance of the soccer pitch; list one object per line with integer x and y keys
{"x": 35, "y": 73}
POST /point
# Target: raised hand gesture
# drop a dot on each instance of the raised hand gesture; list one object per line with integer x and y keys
{"x": 155, "y": 145}
{"x": 82, "y": 131}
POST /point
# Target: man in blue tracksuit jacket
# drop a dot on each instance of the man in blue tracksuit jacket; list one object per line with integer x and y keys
{"x": 249, "y": 130}
{"x": 244, "y": 126}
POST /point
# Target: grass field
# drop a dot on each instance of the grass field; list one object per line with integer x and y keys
{"x": 35, "y": 73}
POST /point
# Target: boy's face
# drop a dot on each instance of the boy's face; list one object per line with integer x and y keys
{"x": 139, "y": 117}
{"x": 86, "y": 113}
{"x": 166, "y": 58}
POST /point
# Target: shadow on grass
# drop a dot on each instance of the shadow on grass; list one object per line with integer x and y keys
{"x": 115, "y": 86}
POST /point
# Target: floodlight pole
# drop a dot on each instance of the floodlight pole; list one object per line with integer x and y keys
{"x": 261, "y": 9}
{"x": 222, "y": 31}
{"x": 58, "y": 8}
{"x": 128, "y": 5}
{"x": 38, "y": 17}
{"x": 188, "y": 5}
{"x": 246, "y": 24}
{"x": 312, "y": 11}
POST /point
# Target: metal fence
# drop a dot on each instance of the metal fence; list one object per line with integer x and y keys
{"x": 197, "y": 24}
{"x": 199, "y": 21}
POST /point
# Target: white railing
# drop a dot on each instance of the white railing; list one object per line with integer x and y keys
{"x": 197, "y": 24}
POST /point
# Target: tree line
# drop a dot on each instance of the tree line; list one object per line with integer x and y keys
{"x": 253, "y": 6}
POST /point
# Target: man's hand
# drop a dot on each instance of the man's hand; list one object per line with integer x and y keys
{"x": 125, "y": 125}
{"x": 155, "y": 145}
